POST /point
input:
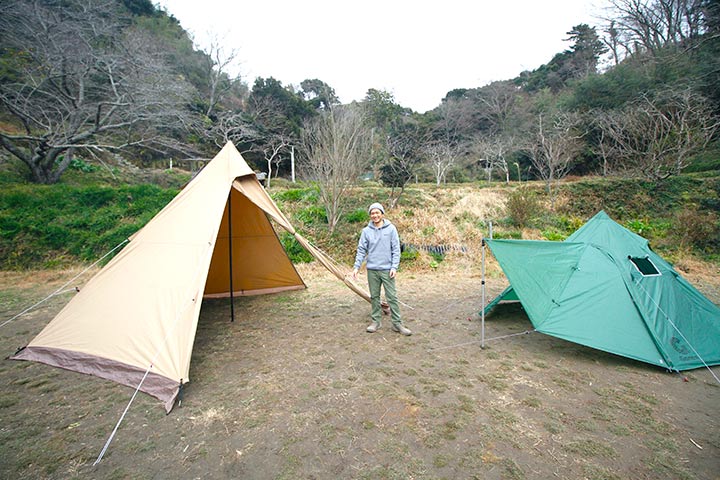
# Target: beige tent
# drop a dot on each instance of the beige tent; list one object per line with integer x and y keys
{"x": 135, "y": 321}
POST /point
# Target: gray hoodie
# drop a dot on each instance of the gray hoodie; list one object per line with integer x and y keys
{"x": 381, "y": 247}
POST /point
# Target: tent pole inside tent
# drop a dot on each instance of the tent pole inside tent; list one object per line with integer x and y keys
{"x": 482, "y": 289}
{"x": 230, "y": 249}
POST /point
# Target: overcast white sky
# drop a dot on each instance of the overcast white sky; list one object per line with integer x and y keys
{"x": 416, "y": 50}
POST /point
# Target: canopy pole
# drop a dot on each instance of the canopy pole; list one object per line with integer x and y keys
{"x": 230, "y": 259}
{"x": 482, "y": 289}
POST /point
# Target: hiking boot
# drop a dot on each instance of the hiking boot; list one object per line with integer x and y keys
{"x": 373, "y": 327}
{"x": 401, "y": 329}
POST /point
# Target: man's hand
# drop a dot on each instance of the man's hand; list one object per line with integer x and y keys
{"x": 392, "y": 273}
{"x": 354, "y": 273}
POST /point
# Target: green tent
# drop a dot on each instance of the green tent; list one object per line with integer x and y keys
{"x": 605, "y": 288}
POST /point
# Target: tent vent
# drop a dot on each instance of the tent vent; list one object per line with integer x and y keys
{"x": 645, "y": 266}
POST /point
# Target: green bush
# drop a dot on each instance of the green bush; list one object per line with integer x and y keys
{"x": 554, "y": 235}
{"x": 651, "y": 229}
{"x": 567, "y": 225}
{"x": 93, "y": 197}
{"x": 437, "y": 257}
{"x": 409, "y": 255}
{"x": 357, "y": 216}
{"x": 81, "y": 165}
{"x": 708, "y": 160}
{"x": 513, "y": 234}
{"x": 291, "y": 195}
{"x": 295, "y": 251}
{"x": 309, "y": 194}
{"x": 313, "y": 214}
{"x": 523, "y": 207}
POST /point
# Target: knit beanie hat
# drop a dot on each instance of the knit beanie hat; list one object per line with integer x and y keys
{"x": 378, "y": 206}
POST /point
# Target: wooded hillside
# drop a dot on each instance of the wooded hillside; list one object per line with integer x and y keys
{"x": 634, "y": 96}
{"x": 118, "y": 85}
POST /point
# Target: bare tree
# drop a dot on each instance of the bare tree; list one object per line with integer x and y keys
{"x": 455, "y": 120}
{"x": 258, "y": 129}
{"x": 82, "y": 79}
{"x": 403, "y": 147}
{"x": 233, "y": 127}
{"x": 605, "y": 124}
{"x": 498, "y": 100}
{"x": 652, "y": 24}
{"x": 656, "y": 136}
{"x": 271, "y": 150}
{"x": 337, "y": 149}
{"x": 554, "y": 148}
{"x": 219, "y": 79}
{"x": 493, "y": 150}
{"x": 614, "y": 43}
{"x": 441, "y": 157}
{"x": 443, "y": 147}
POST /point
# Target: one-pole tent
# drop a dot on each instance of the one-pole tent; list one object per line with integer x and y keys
{"x": 605, "y": 288}
{"x": 135, "y": 321}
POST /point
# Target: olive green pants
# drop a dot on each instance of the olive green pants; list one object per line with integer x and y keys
{"x": 376, "y": 280}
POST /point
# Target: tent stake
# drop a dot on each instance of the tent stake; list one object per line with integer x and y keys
{"x": 230, "y": 234}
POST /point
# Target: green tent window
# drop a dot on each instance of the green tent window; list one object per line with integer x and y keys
{"x": 645, "y": 266}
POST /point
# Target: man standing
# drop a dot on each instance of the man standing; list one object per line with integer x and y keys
{"x": 380, "y": 245}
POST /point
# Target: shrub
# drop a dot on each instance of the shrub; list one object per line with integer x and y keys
{"x": 295, "y": 251}
{"x": 357, "y": 216}
{"x": 309, "y": 194}
{"x": 81, "y": 165}
{"x": 313, "y": 214}
{"x": 523, "y": 207}
{"x": 697, "y": 229}
{"x": 409, "y": 255}
{"x": 437, "y": 257}
{"x": 640, "y": 226}
{"x": 554, "y": 235}
{"x": 569, "y": 224}
{"x": 513, "y": 235}
{"x": 52, "y": 225}
{"x": 292, "y": 195}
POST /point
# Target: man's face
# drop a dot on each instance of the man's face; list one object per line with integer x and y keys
{"x": 376, "y": 215}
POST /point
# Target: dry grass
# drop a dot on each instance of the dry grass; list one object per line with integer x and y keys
{"x": 454, "y": 217}
{"x": 700, "y": 274}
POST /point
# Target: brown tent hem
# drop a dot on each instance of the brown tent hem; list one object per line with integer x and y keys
{"x": 158, "y": 386}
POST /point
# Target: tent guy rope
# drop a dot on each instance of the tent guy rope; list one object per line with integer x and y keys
{"x": 62, "y": 289}
{"x": 484, "y": 340}
{"x": 192, "y": 298}
{"x": 341, "y": 267}
{"x": 667, "y": 317}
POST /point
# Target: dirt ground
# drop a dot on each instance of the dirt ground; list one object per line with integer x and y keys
{"x": 295, "y": 389}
